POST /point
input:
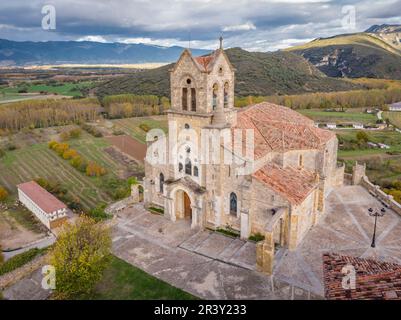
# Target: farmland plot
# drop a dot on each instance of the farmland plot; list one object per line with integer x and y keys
{"x": 39, "y": 161}
{"x": 131, "y": 126}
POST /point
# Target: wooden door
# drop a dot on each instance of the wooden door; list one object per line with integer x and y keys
{"x": 187, "y": 207}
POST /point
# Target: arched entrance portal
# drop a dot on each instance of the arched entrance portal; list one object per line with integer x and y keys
{"x": 183, "y": 205}
{"x": 187, "y": 207}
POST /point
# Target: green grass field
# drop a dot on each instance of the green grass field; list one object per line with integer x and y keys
{"x": 38, "y": 160}
{"x": 122, "y": 281}
{"x": 63, "y": 89}
{"x": 350, "y": 115}
{"x": 92, "y": 149}
{"x": 391, "y": 138}
{"x": 131, "y": 126}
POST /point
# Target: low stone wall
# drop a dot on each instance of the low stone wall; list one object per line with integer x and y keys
{"x": 347, "y": 178}
{"x": 12, "y": 277}
{"x": 377, "y": 192}
{"x": 338, "y": 179}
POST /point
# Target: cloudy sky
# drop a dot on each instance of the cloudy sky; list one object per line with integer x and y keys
{"x": 258, "y": 25}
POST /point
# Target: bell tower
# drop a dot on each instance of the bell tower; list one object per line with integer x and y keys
{"x": 203, "y": 86}
{"x": 202, "y": 97}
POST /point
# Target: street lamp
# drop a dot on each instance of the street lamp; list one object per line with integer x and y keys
{"x": 376, "y": 213}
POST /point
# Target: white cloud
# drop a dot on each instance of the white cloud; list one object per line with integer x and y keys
{"x": 212, "y": 44}
{"x": 250, "y": 24}
{"x": 240, "y": 27}
{"x": 93, "y": 39}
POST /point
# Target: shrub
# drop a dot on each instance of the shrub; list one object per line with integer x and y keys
{"x": 11, "y": 146}
{"x": 82, "y": 167}
{"x": 395, "y": 193}
{"x": 76, "y": 161}
{"x": 228, "y": 231}
{"x": 92, "y": 130}
{"x": 52, "y": 144}
{"x": 52, "y": 186}
{"x": 98, "y": 213}
{"x": 65, "y": 136}
{"x": 93, "y": 169}
{"x": 362, "y": 136}
{"x": 75, "y": 133}
{"x": 72, "y": 134}
{"x": 156, "y": 210}
{"x": 70, "y": 154}
{"x": 257, "y": 237}
{"x": 144, "y": 127}
{"x": 3, "y": 194}
{"x": 20, "y": 260}
{"x": 118, "y": 132}
{"x": 61, "y": 148}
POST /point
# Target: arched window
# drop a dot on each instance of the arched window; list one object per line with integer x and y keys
{"x": 215, "y": 90}
{"x": 161, "y": 183}
{"x": 188, "y": 166}
{"x": 196, "y": 171}
{"x": 233, "y": 203}
{"x": 180, "y": 167}
{"x": 184, "y": 99}
{"x": 226, "y": 95}
{"x": 193, "y": 99}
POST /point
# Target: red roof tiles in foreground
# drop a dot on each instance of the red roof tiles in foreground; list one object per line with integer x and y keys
{"x": 375, "y": 280}
{"x": 292, "y": 183}
{"x": 278, "y": 128}
{"x": 43, "y": 199}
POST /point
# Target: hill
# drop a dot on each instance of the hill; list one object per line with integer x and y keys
{"x": 375, "y": 53}
{"x": 13, "y": 53}
{"x": 257, "y": 74}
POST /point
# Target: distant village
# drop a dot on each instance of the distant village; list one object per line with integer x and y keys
{"x": 380, "y": 124}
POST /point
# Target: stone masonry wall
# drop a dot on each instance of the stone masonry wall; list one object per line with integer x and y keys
{"x": 12, "y": 277}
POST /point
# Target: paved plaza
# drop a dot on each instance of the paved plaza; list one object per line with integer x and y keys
{"x": 204, "y": 263}
{"x": 214, "y": 266}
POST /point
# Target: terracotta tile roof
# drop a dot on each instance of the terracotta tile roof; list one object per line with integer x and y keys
{"x": 43, "y": 199}
{"x": 206, "y": 62}
{"x": 375, "y": 280}
{"x": 277, "y": 128}
{"x": 292, "y": 183}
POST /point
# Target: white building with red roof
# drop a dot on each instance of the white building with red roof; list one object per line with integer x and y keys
{"x": 282, "y": 170}
{"x": 46, "y": 207}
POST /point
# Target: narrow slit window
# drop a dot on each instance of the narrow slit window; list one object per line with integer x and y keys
{"x": 184, "y": 99}
{"x": 188, "y": 166}
{"x": 233, "y": 203}
{"x": 193, "y": 99}
{"x": 226, "y": 95}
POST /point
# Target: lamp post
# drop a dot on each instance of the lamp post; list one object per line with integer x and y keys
{"x": 375, "y": 213}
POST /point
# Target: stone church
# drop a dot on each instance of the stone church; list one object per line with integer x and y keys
{"x": 293, "y": 163}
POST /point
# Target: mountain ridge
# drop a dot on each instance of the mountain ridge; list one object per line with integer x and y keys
{"x": 24, "y": 53}
{"x": 257, "y": 73}
{"x": 373, "y": 54}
